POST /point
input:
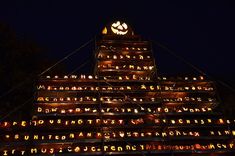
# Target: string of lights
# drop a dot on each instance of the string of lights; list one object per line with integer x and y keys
{"x": 66, "y": 57}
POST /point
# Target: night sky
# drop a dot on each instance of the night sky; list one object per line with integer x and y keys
{"x": 201, "y": 32}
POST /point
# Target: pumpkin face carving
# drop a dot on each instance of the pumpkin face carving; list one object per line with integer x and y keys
{"x": 119, "y": 28}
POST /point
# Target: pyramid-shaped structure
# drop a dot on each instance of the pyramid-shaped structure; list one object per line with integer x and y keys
{"x": 123, "y": 108}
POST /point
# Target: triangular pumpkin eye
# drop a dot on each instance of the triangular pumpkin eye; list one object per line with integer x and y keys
{"x": 124, "y": 25}
{"x": 116, "y": 24}
{"x": 120, "y": 27}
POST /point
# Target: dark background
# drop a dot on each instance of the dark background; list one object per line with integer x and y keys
{"x": 35, "y": 34}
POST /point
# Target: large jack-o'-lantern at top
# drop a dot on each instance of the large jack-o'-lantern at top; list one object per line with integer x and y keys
{"x": 117, "y": 28}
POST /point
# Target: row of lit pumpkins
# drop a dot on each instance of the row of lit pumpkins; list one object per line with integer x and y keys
{"x": 122, "y": 88}
{"x": 113, "y": 134}
{"x": 147, "y": 120}
{"x": 140, "y": 57}
{"x": 120, "y": 148}
{"x": 126, "y": 77}
{"x": 127, "y": 99}
{"x": 121, "y": 110}
{"x": 106, "y": 135}
{"x": 122, "y": 48}
{"x": 133, "y": 67}
{"x": 90, "y": 77}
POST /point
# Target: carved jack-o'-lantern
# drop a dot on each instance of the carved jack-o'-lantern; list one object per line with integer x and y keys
{"x": 119, "y": 28}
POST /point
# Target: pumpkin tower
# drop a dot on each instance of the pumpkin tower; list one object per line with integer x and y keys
{"x": 124, "y": 108}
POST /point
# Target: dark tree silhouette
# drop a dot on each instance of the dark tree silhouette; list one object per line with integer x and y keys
{"x": 21, "y": 61}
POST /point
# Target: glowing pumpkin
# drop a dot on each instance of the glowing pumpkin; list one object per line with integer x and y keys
{"x": 119, "y": 28}
{"x": 197, "y": 146}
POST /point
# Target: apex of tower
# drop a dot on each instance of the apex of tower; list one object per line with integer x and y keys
{"x": 118, "y": 28}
